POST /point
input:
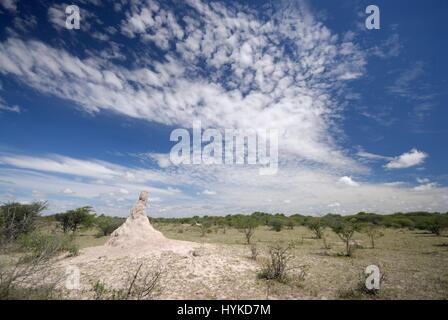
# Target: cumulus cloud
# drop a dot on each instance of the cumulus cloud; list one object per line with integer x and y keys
{"x": 406, "y": 160}
{"x": 426, "y": 186}
{"x": 348, "y": 181}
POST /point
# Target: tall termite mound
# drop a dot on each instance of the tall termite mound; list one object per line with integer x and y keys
{"x": 137, "y": 231}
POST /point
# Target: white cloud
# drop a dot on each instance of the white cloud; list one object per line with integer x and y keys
{"x": 67, "y": 191}
{"x": 406, "y": 160}
{"x": 60, "y": 164}
{"x": 334, "y": 205}
{"x": 405, "y": 83}
{"x": 25, "y": 23}
{"x": 163, "y": 160}
{"x": 14, "y": 109}
{"x": 239, "y": 188}
{"x": 395, "y": 184}
{"x": 246, "y": 81}
{"x": 423, "y": 180}
{"x": 56, "y": 15}
{"x": 5, "y": 107}
{"x": 208, "y": 192}
{"x": 390, "y": 48}
{"x": 372, "y": 156}
{"x": 124, "y": 191}
{"x": 426, "y": 187}
{"x": 10, "y": 5}
{"x": 348, "y": 181}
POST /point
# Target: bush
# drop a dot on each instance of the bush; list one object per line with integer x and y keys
{"x": 18, "y": 219}
{"x": 46, "y": 246}
{"x": 277, "y": 225}
{"x": 277, "y": 266}
{"x": 359, "y": 290}
{"x": 29, "y": 276}
{"x": 246, "y": 225}
{"x": 204, "y": 227}
{"x": 373, "y": 232}
{"x": 72, "y": 220}
{"x": 316, "y": 226}
{"x": 107, "y": 225}
{"x": 436, "y": 225}
{"x": 345, "y": 230}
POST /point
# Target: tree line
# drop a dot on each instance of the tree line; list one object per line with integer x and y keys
{"x": 434, "y": 222}
{"x": 17, "y": 219}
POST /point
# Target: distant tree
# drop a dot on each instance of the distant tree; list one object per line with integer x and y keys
{"x": 204, "y": 226}
{"x": 345, "y": 230}
{"x": 316, "y": 226}
{"x": 107, "y": 225}
{"x": 436, "y": 225}
{"x": 290, "y": 224}
{"x": 277, "y": 225}
{"x": 17, "y": 219}
{"x": 373, "y": 232}
{"x": 72, "y": 220}
{"x": 247, "y": 225}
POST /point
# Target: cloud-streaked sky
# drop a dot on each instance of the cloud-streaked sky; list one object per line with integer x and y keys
{"x": 86, "y": 115}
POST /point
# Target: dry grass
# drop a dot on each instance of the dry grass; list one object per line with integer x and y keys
{"x": 414, "y": 264}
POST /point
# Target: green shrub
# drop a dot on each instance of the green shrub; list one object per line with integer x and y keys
{"x": 436, "y": 225}
{"x": 277, "y": 225}
{"x": 316, "y": 226}
{"x": 18, "y": 219}
{"x": 345, "y": 230}
{"x": 246, "y": 225}
{"x": 72, "y": 220}
{"x": 107, "y": 225}
{"x": 46, "y": 246}
{"x": 29, "y": 275}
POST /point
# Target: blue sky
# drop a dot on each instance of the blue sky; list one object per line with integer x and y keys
{"x": 86, "y": 115}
